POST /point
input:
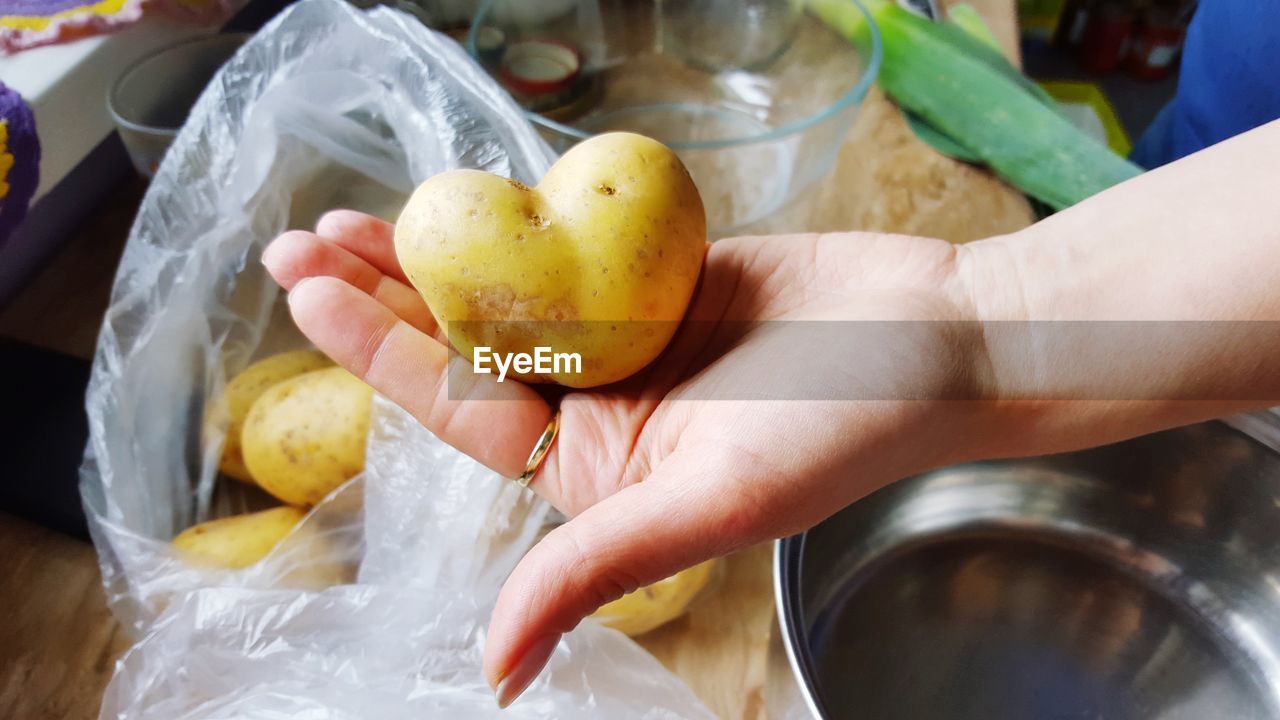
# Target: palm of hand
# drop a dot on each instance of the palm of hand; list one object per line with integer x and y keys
{"x": 734, "y": 337}
{"x": 694, "y": 457}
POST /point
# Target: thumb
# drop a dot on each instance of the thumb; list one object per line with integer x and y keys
{"x": 676, "y": 518}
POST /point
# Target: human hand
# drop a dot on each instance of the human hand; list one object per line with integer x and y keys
{"x": 742, "y": 431}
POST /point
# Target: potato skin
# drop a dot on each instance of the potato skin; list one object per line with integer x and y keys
{"x": 305, "y": 436}
{"x": 248, "y": 386}
{"x": 609, "y": 246}
{"x": 237, "y": 541}
{"x": 636, "y": 613}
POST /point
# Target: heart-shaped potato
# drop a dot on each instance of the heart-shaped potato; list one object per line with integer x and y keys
{"x": 600, "y": 259}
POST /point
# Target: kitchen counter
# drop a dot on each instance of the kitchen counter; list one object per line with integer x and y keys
{"x": 58, "y": 642}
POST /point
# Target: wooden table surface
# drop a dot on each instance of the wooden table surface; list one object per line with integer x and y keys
{"x": 58, "y": 642}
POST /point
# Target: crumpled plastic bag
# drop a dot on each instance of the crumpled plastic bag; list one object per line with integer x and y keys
{"x": 327, "y": 107}
{"x": 360, "y": 651}
{"x": 406, "y": 641}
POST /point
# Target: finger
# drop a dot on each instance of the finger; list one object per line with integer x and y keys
{"x": 371, "y": 238}
{"x": 672, "y": 520}
{"x": 298, "y": 254}
{"x": 495, "y": 423}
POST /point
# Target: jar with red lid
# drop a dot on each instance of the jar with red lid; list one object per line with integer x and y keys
{"x": 1106, "y": 36}
{"x": 1157, "y": 41}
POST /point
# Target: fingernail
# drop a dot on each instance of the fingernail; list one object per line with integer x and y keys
{"x": 525, "y": 670}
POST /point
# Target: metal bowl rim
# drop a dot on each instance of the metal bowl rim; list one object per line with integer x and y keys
{"x": 1262, "y": 427}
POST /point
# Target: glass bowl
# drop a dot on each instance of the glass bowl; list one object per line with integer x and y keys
{"x": 150, "y": 99}
{"x": 755, "y": 96}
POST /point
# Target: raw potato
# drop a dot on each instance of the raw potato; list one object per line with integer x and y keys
{"x": 240, "y": 540}
{"x": 247, "y": 387}
{"x": 305, "y": 436}
{"x": 649, "y": 607}
{"x": 609, "y": 246}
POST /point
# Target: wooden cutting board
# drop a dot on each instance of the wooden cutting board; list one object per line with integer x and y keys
{"x": 728, "y": 647}
{"x": 58, "y": 642}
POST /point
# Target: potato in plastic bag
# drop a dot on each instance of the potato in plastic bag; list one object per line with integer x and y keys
{"x": 328, "y": 106}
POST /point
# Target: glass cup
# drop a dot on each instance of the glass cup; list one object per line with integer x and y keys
{"x": 150, "y": 100}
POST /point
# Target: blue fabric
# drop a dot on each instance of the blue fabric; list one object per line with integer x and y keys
{"x": 1229, "y": 81}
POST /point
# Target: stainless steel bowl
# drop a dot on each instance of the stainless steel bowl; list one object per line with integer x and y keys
{"x": 1138, "y": 580}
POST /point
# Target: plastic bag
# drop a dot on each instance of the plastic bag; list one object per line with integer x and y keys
{"x": 326, "y": 107}
{"x": 405, "y": 642}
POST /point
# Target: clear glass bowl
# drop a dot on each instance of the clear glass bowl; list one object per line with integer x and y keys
{"x": 754, "y": 95}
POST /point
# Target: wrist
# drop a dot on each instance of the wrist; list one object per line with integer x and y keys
{"x": 997, "y": 302}
{"x": 1077, "y": 349}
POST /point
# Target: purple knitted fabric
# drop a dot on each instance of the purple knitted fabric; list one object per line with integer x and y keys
{"x": 42, "y": 8}
{"x": 19, "y": 160}
{"x": 31, "y": 23}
